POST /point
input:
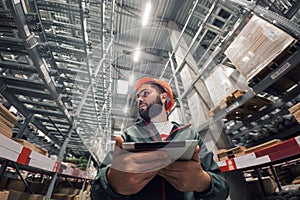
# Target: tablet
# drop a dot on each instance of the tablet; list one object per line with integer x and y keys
{"x": 178, "y": 150}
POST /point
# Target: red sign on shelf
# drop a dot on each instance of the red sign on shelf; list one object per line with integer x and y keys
{"x": 24, "y": 156}
{"x": 230, "y": 165}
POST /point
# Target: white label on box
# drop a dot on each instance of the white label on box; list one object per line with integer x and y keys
{"x": 298, "y": 140}
{"x": 242, "y": 160}
{"x": 252, "y": 162}
{"x": 222, "y": 163}
{"x": 271, "y": 34}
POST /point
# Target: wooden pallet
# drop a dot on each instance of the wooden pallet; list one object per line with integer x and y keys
{"x": 230, "y": 99}
{"x": 225, "y": 154}
{"x": 295, "y": 111}
{"x": 234, "y": 96}
{"x": 253, "y": 105}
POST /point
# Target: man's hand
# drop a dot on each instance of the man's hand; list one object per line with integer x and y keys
{"x": 187, "y": 175}
{"x": 131, "y": 172}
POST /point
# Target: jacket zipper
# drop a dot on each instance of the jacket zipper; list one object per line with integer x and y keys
{"x": 179, "y": 128}
{"x": 163, "y": 189}
{"x": 155, "y": 137}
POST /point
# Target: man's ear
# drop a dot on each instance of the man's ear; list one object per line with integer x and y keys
{"x": 163, "y": 97}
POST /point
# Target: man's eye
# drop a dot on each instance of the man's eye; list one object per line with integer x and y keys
{"x": 145, "y": 93}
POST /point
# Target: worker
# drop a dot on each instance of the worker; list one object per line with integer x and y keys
{"x": 155, "y": 175}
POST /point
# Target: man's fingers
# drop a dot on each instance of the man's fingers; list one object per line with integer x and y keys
{"x": 151, "y": 161}
{"x": 141, "y": 162}
{"x": 196, "y": 154}
{"x": 151, "y": 156}
{"x": 119, "y": 141}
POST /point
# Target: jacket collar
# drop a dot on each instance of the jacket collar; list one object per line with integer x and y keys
{"x": 177, "y": 126}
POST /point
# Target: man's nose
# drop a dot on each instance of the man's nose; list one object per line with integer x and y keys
{"x": 139, "y": 99}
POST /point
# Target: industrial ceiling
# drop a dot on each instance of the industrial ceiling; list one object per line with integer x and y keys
{"x": 63, "y": 62}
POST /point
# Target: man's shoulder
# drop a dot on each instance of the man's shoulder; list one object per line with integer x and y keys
{"x": 182, "y": 126}
{"x": 138, "y": 123}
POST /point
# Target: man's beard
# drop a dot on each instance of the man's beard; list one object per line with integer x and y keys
{"x": 152, "y": 110}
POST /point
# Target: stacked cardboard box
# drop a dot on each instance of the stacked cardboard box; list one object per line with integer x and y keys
{"x": 7, "y": 121}
{"x": 295, "y": 110}
{"x": 256, "y": 47}
{"x": 17, "y": 195}
{"x": 4, "y": 195}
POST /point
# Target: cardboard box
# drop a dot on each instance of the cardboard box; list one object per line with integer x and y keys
{"x": 41, "y": 161}
{"x": 9, "y": 149}
{"x": 31, "y": 146}
{"x": 294, "y": 108}
{"x": 62, "y": 197}
{"x": 26, "y": 196}
{"x": 297, "y": 115}
{"x": 7, "y": 121}
{"x": 4, "y": 195}
{"x": 255, "y": 189}
{"x": 16, "y": 185}
{"x": 3, "y": 182}
{"x": 257, "y": 45}
{"x": 14, "y": 195}
{"x": 80, "y": 196}
{"x": 38, "y": 188}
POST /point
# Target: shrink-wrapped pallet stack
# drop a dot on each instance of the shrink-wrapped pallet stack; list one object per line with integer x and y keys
{"x": 256, "y": 47}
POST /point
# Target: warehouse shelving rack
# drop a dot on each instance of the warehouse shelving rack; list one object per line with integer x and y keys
{"x": 57, "y": 116}
{"x": 43, "y": 80}
{"x": 258, "y": 87}
{"x": 279, "y": 153}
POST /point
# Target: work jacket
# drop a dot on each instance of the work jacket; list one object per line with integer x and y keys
{"x": 158, "y": 188}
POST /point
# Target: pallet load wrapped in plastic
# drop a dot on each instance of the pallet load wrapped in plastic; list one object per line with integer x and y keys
{"x": 224, "y": 85}
{"x": 256, "y": 47}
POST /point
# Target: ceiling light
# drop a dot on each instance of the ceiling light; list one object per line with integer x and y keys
{"x": 136, "y": 55}
{"x": 122, "y": 87}
{"x": 146, "y": 14}
{"x": 126, "y": 109}
{"x": 131, "y": 79}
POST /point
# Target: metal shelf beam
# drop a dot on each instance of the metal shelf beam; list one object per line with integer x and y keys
{"x": 289, "y": 64}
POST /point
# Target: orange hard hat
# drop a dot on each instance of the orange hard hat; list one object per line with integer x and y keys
{"x": 164, "y": 85}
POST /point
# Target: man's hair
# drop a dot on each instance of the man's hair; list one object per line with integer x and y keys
{"x": 159, "y": 89}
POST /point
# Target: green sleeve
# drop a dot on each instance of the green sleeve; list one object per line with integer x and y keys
{"x": 219, "y": 188}
{"x": 101, "y": 189}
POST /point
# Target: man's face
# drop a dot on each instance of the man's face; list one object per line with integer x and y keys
{"x": 149, "y": 102}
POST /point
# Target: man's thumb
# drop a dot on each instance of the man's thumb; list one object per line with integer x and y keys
{"x": 119, "y": 141}
{"x": 196, "y": 154}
